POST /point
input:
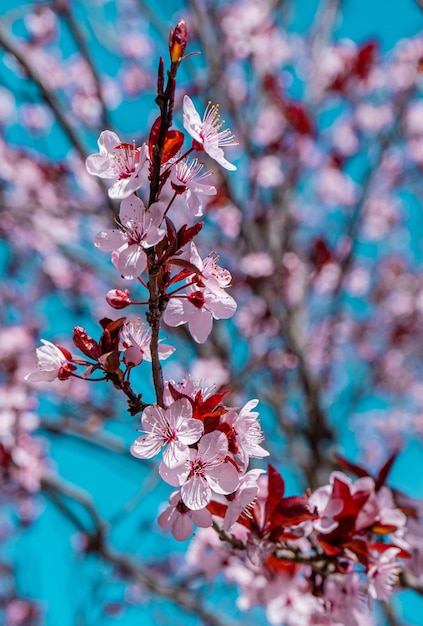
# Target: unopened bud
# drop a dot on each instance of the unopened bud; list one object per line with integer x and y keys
{"x": 118, "y": 299}
{"x": 178, "y": 38}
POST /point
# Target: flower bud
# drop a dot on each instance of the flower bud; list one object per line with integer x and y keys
{"x": 118, "y": 299}
{"x": 178, "y": 38}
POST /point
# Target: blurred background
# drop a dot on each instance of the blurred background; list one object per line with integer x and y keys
{"x": 321, "y": 227}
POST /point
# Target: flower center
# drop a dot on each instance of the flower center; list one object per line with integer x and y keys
{"x": 126, "y": 159}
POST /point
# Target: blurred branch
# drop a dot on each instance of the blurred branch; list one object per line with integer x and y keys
{"x": 409, "y": 581}
{"x": 123, "y": 562}
{"x": 82, "y": 431}
{"x": 51, "y": 100}
{"x": 12, "y": 48}
{"x": 66, "y": 13}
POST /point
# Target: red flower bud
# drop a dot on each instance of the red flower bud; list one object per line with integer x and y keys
{"x": 118, "y": 299}
{"x": 178, "y": 38}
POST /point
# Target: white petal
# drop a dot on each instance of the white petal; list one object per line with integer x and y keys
{"x": 38, "y": 376}
{"x": 107, "y": 141}
{"x": 191, "y": 119}
{"x": 100, "y": 165}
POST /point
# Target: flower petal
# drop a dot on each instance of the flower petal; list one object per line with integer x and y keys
{"x": 146, "y": 447}
{"x": 109, "y": 240}
{"x": 196, "y": 493}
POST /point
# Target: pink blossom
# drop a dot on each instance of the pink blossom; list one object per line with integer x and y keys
{"x": 345, "y": 602}
{"x": 383, "y": 574}
{"x": 139, "y": 229}
{"x": 248, "y": 433}
{"x": 181, "y": 520}
{"x": 198, "y": 308}
{"x": 52, "y": 364}
{"x": 207, "y": 133}
{"x": 205, "y": 470}
{"x": 135, "y": 339}
{"x": 186, "y": 179}
{"x": 120, "y": 161}
{"x": 173, "y": 427}
{"x": 244, "y": 496}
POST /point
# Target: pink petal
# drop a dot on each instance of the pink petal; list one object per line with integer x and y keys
{"x": 175, "y": 454}
{"x": 146, "y": 447}
{"x": 182, "y": 527}
{"x": 223, "y": 478}
{"x": 221, "y": 304}
{"x": 174, "y": 476}
{"x": 191, "y": 431}
{"x": 196, "y": 493}
{"x": 109, "y": 240}
{"x": 202, "y": 518}
{"x": 213, "y": 446}
{"x": 131, "y": 211}
{"x": 132, "y": 261}
{"x": 175, "y": 314}
{"x": 200, "y": 324}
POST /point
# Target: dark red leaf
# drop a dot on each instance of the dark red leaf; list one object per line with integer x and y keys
{"x": 276, "y": 490}
{"x": 292, "y": 511}
{"x": 357, "y": 470}
{"x": 186, "y": 234}
{"x": 85, "y": 343}
{"x": 385, "y": 469}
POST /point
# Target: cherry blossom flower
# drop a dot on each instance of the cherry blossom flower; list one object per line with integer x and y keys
{"x": 244, "y": 496}
{"x": 135, "y": 339}
{"x": 207, "y": 133}
{"x": 173, "y": 427}
{"x": 205, "y": 470}
{"x": 213, "y": 276}
{"x": 139, "y": 229}
{"x": 181, "y": 520}
{"x": 198, "y": 308}
{"x": 52, "y": 364}
{"x": 120, "y": 161}
{"x": 186, "y": 179}
{"x": 247, "y": 432}
{"x": 383, "y": 574}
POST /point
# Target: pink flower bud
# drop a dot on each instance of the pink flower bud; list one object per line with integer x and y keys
{"x": 118, "y": 299}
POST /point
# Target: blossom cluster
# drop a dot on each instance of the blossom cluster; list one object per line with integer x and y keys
{"x": 307, "y": 559}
